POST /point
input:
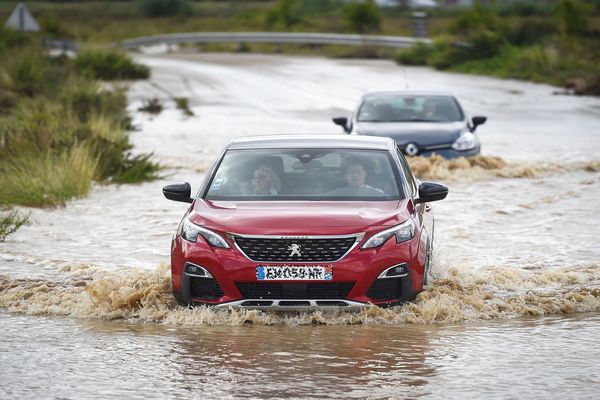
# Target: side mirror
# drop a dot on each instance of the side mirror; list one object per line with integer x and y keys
{"x": 341, "y": 121}
{"x": 479, "y": 120}
{"x": 429, "y": 191}
{"x": 179, "y": 192}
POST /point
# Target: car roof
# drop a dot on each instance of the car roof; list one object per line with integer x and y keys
{"x": 332, "y": 141}
{"x": 407, "y": 93}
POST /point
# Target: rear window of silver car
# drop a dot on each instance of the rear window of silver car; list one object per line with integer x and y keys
{"x": 401, "y": 108}
{"x": 305, "y": 174}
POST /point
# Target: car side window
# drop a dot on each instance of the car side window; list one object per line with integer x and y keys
{"x": 410, "y": 179}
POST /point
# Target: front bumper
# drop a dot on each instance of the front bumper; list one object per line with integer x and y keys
{"x": 451, "y": 153}
{"x": 356, "y": 283}
{"x": 445, "y": 151}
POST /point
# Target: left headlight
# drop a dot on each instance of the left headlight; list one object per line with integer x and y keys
{"x": 403, "y": 232}
{"x": 191, "y": 231}
{"x": 466, "y": 141}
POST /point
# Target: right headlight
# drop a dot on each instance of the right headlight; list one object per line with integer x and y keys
{"x": 466, "y": 141}
{"x": 191, "y": 231}
{"x": 403, "y": 232}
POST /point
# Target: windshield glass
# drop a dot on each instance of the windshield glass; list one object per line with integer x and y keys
{"x": 305, "y": 174}
{"x": 405, "y": 108}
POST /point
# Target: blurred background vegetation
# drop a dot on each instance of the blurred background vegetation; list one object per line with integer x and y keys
{"x": 554, "y": 41}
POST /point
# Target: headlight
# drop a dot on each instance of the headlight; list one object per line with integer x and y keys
{"x": 190, "y": 232}
{"x": 466, "y": 141}
{"x": 403, "y": 232}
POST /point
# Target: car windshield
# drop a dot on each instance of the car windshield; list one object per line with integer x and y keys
{"x": 305, "y": 174}
{"x": 405, "y": 108}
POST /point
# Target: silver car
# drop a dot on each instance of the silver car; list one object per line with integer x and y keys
{"x": 421, "y": 123}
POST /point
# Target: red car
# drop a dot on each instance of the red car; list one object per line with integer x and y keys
{"x": 300, "y": 222}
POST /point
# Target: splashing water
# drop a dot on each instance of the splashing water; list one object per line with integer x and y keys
{"x": 486, "y": 167}
{"x": 454, "y": 295}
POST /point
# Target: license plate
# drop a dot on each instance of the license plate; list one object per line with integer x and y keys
{"x": 293, "y": 272}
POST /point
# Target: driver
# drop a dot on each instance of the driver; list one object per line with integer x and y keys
{"x": 355, "y": 175}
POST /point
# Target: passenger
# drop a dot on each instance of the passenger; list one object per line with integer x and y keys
{"x": 265, "y": 182}
{"x": 355, "y": 175}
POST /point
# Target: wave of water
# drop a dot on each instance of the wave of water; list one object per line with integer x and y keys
{"x": 487, "y": 167}
{"x": 456, "y": 294}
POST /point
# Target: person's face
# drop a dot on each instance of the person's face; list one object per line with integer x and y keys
{"x": 355, "y": 175}
{"x": 261, "y": 181}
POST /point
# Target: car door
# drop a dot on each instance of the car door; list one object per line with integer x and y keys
{"x": 422, "y": 211}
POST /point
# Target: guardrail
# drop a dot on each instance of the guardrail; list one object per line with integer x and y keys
{"x": 274, "y": 38}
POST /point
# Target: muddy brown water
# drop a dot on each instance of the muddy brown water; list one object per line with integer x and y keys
{"x": 512, "y": 311}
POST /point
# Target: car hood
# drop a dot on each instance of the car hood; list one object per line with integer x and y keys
{"x": 297, "y": 217}
{"x": 421, "y": 133}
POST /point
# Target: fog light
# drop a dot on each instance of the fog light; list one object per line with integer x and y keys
{"x": 396, "y": 271}
{"x": 196, "y": 270}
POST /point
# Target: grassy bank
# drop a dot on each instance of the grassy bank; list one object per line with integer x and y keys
{"x": 561, "y": 48}
{"x": 60, "y": 129}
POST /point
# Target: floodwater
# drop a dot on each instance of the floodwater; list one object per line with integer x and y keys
{"x": 513, "y": 310}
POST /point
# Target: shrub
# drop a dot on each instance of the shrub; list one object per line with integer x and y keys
{"x": 136, "y": 169}
{"x": 86, "y": 98}
{"x": 416, "y": 55}
{"x": 152, "y": 105}
{"x": 362, "y": 17}
{"x": 10, "y": 38}
{"x": 47, "y": 179}
{"x": 183, "y": 104}
{"x": 532, "y": 31}
{"x": 572, "y": 16}
{"x": 475, "y": 19}
{"x": 163, "y": 8}
{"x": 10, "y": 223}
{"x": 27, "y": 72}
{"x": 109, "y": 65}
{"x": 285, "y": 14}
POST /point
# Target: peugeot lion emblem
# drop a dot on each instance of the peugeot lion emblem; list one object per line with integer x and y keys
{"x": 295, "y": 250}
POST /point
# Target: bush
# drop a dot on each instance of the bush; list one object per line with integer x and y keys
{"x": 183, "y": 104}
{"x": 86, "y": 98}
{"x": 362, "y": 17}
{"x": 47, "y": 179}
{"x": 61, "y": 132}
{"x": 109, "y": 65}
{"x": 152, "y": 105}
{"x": 572, "y": 16}
{"x": 10, "y": 38}
{"x": 285, "y": 14}
{"x": 27, "y": 72}
{"x": 522, "y": 8}
{"x": 163, "y": 8}
{"x": 416, "y": 55}
{"x": 532, "y": 31}
{"x": 475, "y": 19}
{"x": 10, "y": 223}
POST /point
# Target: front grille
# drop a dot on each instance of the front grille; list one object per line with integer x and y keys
{"x": 311, "y": 250}
{"x": 305, "y": 291}
{"x": 205, "y": 288}
{"x": 385, "y": 289}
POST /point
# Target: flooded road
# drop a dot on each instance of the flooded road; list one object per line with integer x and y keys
{"x": 513, "y": 311}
